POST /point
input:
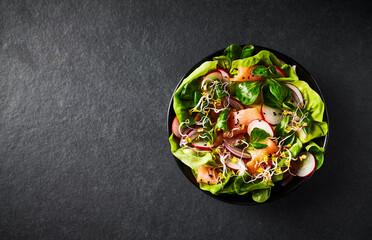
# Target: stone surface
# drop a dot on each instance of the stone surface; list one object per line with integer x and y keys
{"x": 84, "y": 92}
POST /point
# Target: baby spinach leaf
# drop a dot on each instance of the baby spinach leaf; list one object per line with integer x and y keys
{"x": 277, "y": 178}
{"x": 223, "y": 61}
{"x": 281, "y": 92}
{"x": 247, "y": 92}
{"x": 280, "y": 129}
{"x": 260, "y": 70}
{"x": 261, "y": 195}
{"x": 317, "y": 151}
{"x": 247, "y": 51}
{"x": 222, "y": 120}
{"x": 233, "y": 51}
{"x": 258, "y": 135}
{"x": 258, "y": 145}
{"x": 269, "y": 99}
{"x": 272, "y": 72}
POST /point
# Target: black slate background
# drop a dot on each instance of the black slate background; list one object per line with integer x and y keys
{"x": 84, "y": 91}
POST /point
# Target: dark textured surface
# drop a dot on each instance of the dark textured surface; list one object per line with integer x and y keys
{"x": 84, "y": 91}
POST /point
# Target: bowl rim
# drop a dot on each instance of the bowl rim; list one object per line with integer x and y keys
{"x": 248, "y": 197}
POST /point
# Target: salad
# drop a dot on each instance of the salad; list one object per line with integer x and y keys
{"x": 246, "y": 123}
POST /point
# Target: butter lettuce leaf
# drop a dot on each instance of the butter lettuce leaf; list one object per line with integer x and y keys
{"x": 216, "y": 187}
{"x": 180, "y": 106}
{"x": 189, "y": 157}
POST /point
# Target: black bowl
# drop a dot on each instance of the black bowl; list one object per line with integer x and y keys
{"x": 277, "y": 191}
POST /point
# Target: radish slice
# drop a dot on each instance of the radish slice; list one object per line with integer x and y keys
{"x": 235, "y": 103}
{"x": 236, "y": 151}
{"x": 271, "y": 115}
{"x": 280, "y": 72}
{"x": 212, "y": 75}
{"x": 262, "y": 124}
{"x": 202, "y": 145}
{"x": 297, "y": 97}
{"x": 225, "y": 75}
{"x": 307, "y": 166}
{"x": 235, "y": 164}
{"x": 176, "y": 127}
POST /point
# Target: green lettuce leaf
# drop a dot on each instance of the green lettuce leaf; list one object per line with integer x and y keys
{"x": 189, "y": 157}
{"x": 216, "y": 187}
{"x": 181, "y": 107}
{"x": 317, "y": 151}
{"x": 263, "y": 56}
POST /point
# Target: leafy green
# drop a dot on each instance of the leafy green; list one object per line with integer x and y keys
{"x": 277, "y": 178}
{"x": 258, "y": 135}
{"x": 206, "y": 120}
{"x": 260, "y": 70}
{"x": 197, "y": 96}
{"x": 220, "y": 91}
{"x": 214, "y": 188}
{"x": 247, "y": 51}
{"x": 296, "y": 148}
{"x": 247, "y": 92}
{"x": 222, "y": 120}
{"x": 281, "y": 92}
{"x": 187, "y": 92}
{"x": 268, "y": 98}
{"x": 233, "y": 51}
{"x": 317, "y": 151}
{"x": 261, "y": 195}
{"x": 264, "y": 57}
{"x": 280, "y": 129}
{"x": 259, "y": 145}
{"x": 223, "y": 61}
{"x": 241, "y": 187}
{"x": 179, "y": 105}
{"x": 189, "y": 157}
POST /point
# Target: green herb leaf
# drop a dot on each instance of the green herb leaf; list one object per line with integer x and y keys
{"x": 260, "y": 70}
{"x": 222, "y": 120}
{"x": 280, "y": 91}
{"x": 258, "y": 135}
{"x": 261, "y": 195}
{"x": 188, "y": 90}
{"x": 233, "y": 51}
{"x": 269, "y": 99}
{"x": 247, "y": 92}
{"x": 206, "y": 120}
{"x": 272, "y": 72}
{"x": 223, "y": 61}
{"x": 258, "y": 145}
{"x": 247, "y": 51}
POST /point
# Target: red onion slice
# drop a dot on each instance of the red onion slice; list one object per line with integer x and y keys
{"x": 235, "y": 103}
{"x": 236, "y": 152}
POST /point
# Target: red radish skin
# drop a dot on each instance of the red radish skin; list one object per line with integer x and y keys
{"x": 176, "y": 127}
{"x": 271, "y": 115}
{"x": 307, "y": 166}
{"x": 202, "y": 145}
{"x": 214, "y": 74}
{"x": 262, "y": 124}
{"x": 235, "y": 166}
{"x": 280, "y": 71}
{"x": 225, "y": 75}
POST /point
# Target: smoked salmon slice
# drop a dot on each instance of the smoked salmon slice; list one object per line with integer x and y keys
{"x": 238, "y": 121}
{"x": 207, "y": 175}
{"x": 245, "y": 74}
